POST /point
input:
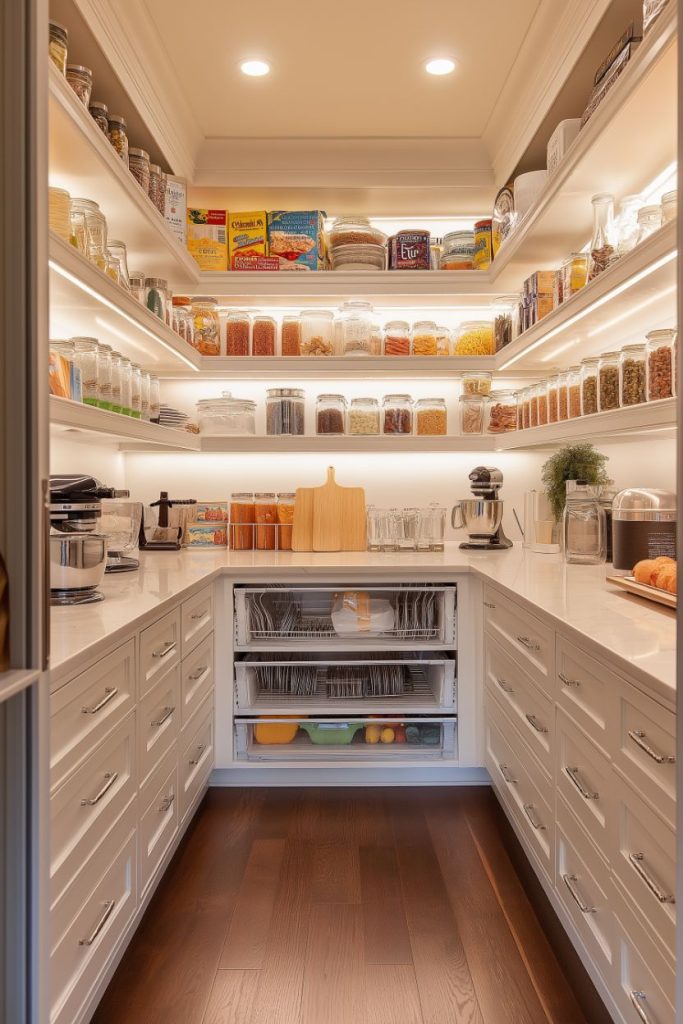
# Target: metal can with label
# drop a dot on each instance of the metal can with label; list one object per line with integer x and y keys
{"x": 483, "y": 244}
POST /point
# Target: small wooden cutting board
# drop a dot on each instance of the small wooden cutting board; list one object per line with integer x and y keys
{"x": 329, "y": 518}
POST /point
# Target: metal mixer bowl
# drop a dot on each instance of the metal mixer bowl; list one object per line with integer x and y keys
{"x": 77, "y": 560}
{"x": 481, "y": 517}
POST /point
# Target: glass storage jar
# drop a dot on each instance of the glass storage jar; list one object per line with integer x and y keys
{"x": 154, "y": 398}
{"x": 59, "y": 41}
{"x": 116, "y": 358}
{"x": 669, "y": 206}
{"x": 602, "y": 241}
{"x": 474, "y": 338}
{"x": 649, "y": 221}
{"x": 396, "y": 338}
{"x": 227, "y": 416}
{"x": 90, "y": 230}
{"x": 553, "y": 412}
{"x": 533, "y": 405}
{"x": 290, "y": 342}
{"x": 263, "y": 334}
{"x": 104, "y": 371}
{"x": 519, "y": 399}
{"x": 265, "y": 516}
{"x": 457, "y": 251}
{"x": 589, "y": 386}
{"x": 355, "y": 231}
{"x": 443, "y": 340}
{"x": 632, "y": 375}
{"x": 503, "y": 313}
{"x": 608, "y": 382}
{"x": 156, "y": 296}
{"x": 117, "y": 250}
{"x": 317, "y": 332}
{"x": 118, "y": 135}
{"x": 80, "y": 80}
{"x": 584, "y": 525}
{"x": 526, "y": 408}
{"x": 356, "y": 328}
{"x": 136, "y": 280}
{"x": 660, "y": 364}
{"x": 562, "y": 397}
{"x": 431, "y": 417}
{"x": 59, "y": 212}
{"x": 237, "y": 333}
{"x": 424, "y": 338}
{"x": 397, "y": 414}
{"x": 100, "y": 115}
{"x": 183, "y": 321}
{"x": 501, "y": 412}
{"x": 574, "y": 274}
{"x": 86, "y": 357}
{"x": 364, "y": 416}
{"x": 126, "y": 387}
{"x": 472, "y": 413}
{"x": 573, "y": 392}
{"x": 477, "y": 382}
{"x": 138, "y": 165}
{"x": 627, "y": 224}
{"x": 144, "y": 396}
{"x": 155, "y": 188}
{"x": 135, "y": 392}
{"x": 285, "y": 519}
{"x": 542, "y": 402}
{"x": 206, "y": 326}
{"x": 242, "y": 521}
{"x": 330, "y": 414}
{"x": 285, "y": 411}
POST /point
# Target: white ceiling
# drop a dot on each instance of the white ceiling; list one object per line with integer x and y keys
{"x": 349, "y": 69}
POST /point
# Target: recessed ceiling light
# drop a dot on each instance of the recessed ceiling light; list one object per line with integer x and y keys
{"x": 254, "y": 68}
{"x": 440, "y": 66}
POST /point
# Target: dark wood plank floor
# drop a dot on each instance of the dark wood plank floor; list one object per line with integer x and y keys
{"x": 341, "y": 906}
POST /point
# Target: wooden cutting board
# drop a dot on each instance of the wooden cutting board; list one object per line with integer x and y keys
{"x": 302, "y": 529}
{"x": 329, "y": 518}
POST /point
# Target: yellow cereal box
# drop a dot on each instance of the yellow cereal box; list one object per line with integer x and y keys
{"x": 247, "y": 236}
{"x": 206, "y": 238}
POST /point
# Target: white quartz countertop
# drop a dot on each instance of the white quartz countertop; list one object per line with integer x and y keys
{"x": 608, "y": 622}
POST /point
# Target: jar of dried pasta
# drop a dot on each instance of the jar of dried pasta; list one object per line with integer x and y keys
{"x": 431, "y": 417}
{"x": 589, "y": 386}
{"x": 265, "y": 516}
{"x": 237, "y": 333}
{"x": 290, "y": 343}
{"x": 364, "y": 416}
{"x": 542, "y": 402}
{"x": 573, "y": 392}
{"x": 477, "y": 382}
{"x": 660, "y": 364}
{"x": 472, "y": 413}
{"x": 263, "y": 331}
{"x": 501, "y": 412}
{"x": 424, "y": 338}
{"x": 475, "y": 338}
{"x": 397, "y": 338}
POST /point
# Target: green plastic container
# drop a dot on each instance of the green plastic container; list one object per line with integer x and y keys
{"x": 331, "y": 733}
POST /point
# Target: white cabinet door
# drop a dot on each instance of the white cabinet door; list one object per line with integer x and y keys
{"x": 196, "y": 758}
{"x": 530, "y": 708}
{"x": 158, "y": 722}
{"x": 196, "y": 680}
{"x": 159, "y": 818}
{"x": 585, "y": 690}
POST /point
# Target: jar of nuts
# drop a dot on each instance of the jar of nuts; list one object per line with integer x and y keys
{"x": 632, "y": 374}
{"x": 608, "y": 381}
{"x": 589, "y": 386}
{"x": 431, "y": 417}
{"x": 660, "y": 364}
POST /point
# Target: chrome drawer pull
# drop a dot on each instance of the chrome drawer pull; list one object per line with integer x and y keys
{"x": 108, "y": 908}
{"x": 200, "y": 615}
{"x": 199, "y": 673}
{"x": 505, "y": 772}
{"x": 573, "y": 774}
{"x": 570, "y": 881}
{"x": 529, "y": 644}
{"x": 111, "y": 778}
{"x": 530, "y": 812}
{"x": 638, "y": 998}
{"x": 166, "y": 714}
{"x": 534, "y": 723}
{"x": 639, "y": 739}
{"x": 109, "y": 694}
{"x": 638, "y": 862}
{"x": 487, "y": 604}
{"x": 505, "y": 686}
{"x": 197, "y": 758}
{"x": 167, "y": 803}
{"x": 166, "y": 649}
{"x": 567, "y": 681}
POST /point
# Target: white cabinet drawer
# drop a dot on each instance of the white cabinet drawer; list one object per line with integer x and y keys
{"x": 158, "y": 722}
{"x": 196, "y": 679}
{"x": 83, "y": 808}
{"x": 644, "y": 981}
{"x": 644, "y": 863}
{"x": 159, "y": 649}
{"x": 524, "y": 637}
{"x": 159, "y": 818}
{"x": 103, "y": 907}
{"x": 197, "y": 619}
{"x": 646, "y": 749}
{"x": 196, "y": 758}
{"x": 586, "y": 781}
{"x": 511, "y": 766}
{"x": 585, "y": 690}
{"x": 529, "y": 707}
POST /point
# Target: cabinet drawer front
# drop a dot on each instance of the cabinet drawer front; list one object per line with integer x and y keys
{"x": 159, "y": 820}
{"x": 80, "y": 956}
{"x": 644, "y": 864}
{"x": 646, "y": 749}
{"x": 83, "y": 808}
{"x": 159, "y": 649}
{"x": 158, "y": 722}
{"x": 196, "y": 679}
{"x": 84, "y": 711}
{"x": 586, "y": 781}
{"x": 530, "y": 709}
{"x": 196, "y": 759}
{"x": 644, "y": 977}
{"x": 507, "y": 759}
{"x": 585, "y": 689}
{"x": 583, "y": 885}
{"x": 197, "y": 619}
{"x": 524, "y": 637}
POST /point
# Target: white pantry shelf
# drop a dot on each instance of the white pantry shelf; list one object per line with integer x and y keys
{"x": 86, "y": 302}
{"x": 650, "y": 420}
{"x": 82, "y": 161}
{"x": 381, "y": 444}
{"x": 275, "y": 368}
{"x": 76, "y": 421}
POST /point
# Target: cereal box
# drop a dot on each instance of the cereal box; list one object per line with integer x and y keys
{"x": 206, "y": 238}
{"x": 247, "y": 237}
{"x": 175, "y": 209}
{"x": 211, "y": 512}
{"x": 297, "y": 239}
{"x": 206, "y": 535}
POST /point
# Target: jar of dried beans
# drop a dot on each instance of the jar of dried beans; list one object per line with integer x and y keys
{"x": 263, "y": 330}
{"x": 608, "y": 381}
{"x": 589, "y": 386}
{"x": 573, "y": 392}
{"x": 397, "y": 338}
{"x": 330, "y": 414}
{"x": 397, "y": 414}
{"x": 431, "y": 417}
{"x": 237, "y": 333}
{"x": 291, "y": 335}
{"x": 660, "y": 364}
{"x": 632, "y": 375}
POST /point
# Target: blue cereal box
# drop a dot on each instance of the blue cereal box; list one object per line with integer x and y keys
{"x": 297, "y": 239}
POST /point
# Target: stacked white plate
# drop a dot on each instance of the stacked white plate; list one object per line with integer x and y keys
{"x": 169, "y": 417}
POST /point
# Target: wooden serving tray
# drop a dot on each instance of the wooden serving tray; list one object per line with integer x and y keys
{"x": 644, "y": 590}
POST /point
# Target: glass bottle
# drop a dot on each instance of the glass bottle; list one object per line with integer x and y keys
{"x": 589, "y": 386}
{"x": 602, "y": 241}
{"x": 608, "y": 382}
{"x": 649, "y": 221}
{"x": 104, "y": 357}
{"x": 627, "y": 224}
{"x": 584, "y": 525}
{"x": 632, "y": 375}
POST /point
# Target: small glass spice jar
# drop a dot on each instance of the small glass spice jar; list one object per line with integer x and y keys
{"x": 573, "y": 392}
{"x": 608, "y": 382}
{"x": 290, "y": 341}
{"x": 472, "y": 413}
{"x": 263, "y": 333}
{"x": 156, "y": 296}
{"x": 116, "y": 358}
{"x": 501, "y": 412}
{"x": 136, "y": 280}
{"x": 542, "y": 402}
{"x": 154, "y": 398}
{"x": 424, "y": 338}
{"x": 104, "y": 372}
{"x": 632, "y": 375}
{"x": 396, "y": 338}
{"x": 477, "y": 382}
{"x": 285, "y": 412}
{"x": 85, "y": 356}
{"x": 553, "y": 414}
{"x": 238, "y": 333}
{"x": 330, "y": 414}
{"x": 144, "y": 395}
{"x": 364, "y": 416}
{"x": 126, "y": 387}
{"x": 206, "y": 329}
{"x": 562, "y": 397}
{"x": 660, "y": 364}
{"x": 397, "y": 414}
{"x": 100, "y": 115}
{"x": 138, "y": 165}
{"x": 285, "y": 519}
{"x": 58, "y": 45}
{"x": 80, "y": 80}
{"x": 431, "y": 417}
{"x": 118, "y": 135}
{"x": 265, "y": 516}
{"x": 135, "y": 392}
{"x": 589, "y": 386}
{"x": 155, "y": 188}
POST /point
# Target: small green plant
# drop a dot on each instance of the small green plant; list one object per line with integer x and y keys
{"x": 573, "y": 462}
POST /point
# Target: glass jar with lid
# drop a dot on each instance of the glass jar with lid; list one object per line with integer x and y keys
{"x": 573, "y": 392}
{"x": 533, "y": 405}
{"x": 330, "y": 414}
{"x": 474, "y": 338}
{"x": 519, "y": 399}
{"x": 227, "y": 416}
{"x": 660, "y": 346}
{"x": 80, "y": 80}
{"x": 542, "y": 402}
{"x": 424, "y": 338}
{"x": 285, "y": 411}
{"x": 501, "y": 412}
{"x": 117, "y": 250}
{"x": 457, "y": 251}
{"x": 100, "y": 115}
{"x": 59, "y": 41}
{"x": 649, "y": 221}
{"x": 364, "y": 417}
{"x": 584, "y": 525}
{"x": 181, "y": 318}
{"x": 290, "y": 340}
{"x": 135, "y": 392}
{"x": 632, "y": 376}
{"x": 136, "y": 280}
{"x": 589, "y": 386}
{"x": 356, "y": 329}
{"x": 443, "y": 340}
{"x": 477, "y": 382}
{"x": 317, "y": 332}
{"x": 126, "y": 386}
{"x": 237, "y": 333}
{"x": 144, "y": 396}
{"x": 85, "y": 356}
{"x": 104, "y": 372}
{"x": 472, "y": 409}
{"x": 285, "y": 519}
{"x": 263, "y": 334}
{"x": 553, "y": 413}
{"x": 669, "y": 206}
{"x": 503, "y": 313}
{"x": 355, "y": 231}
{"x": 627, "y": 224}
{"x": 154, "y": 398}
{"x": 574, "y": 274}
{"x": 431, "y": 417}
{"x": 156, "y": 296}
{"x": 138, "y": 165}
{"x": 206, "y": 327}
{"x": 116, "y": 358}
{"x": 59, "y": 212}
{"x": 397, "y": 414}
{"x": 396, "y": 338}
{"x": 525, "y": 396}
{"x": 90, "y": 230}
{"x": 265, "y": 516}
{"x": 118, "y": 135}
{"x": 156, "y": 189}
{"x": 242, "y": 521}
{"x": 603, "y": 240}
{"x": 608, "y": 382}
{"x": 562, "y": 397}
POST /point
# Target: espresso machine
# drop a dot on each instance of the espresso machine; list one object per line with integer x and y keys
{"x": 482, "y": 516}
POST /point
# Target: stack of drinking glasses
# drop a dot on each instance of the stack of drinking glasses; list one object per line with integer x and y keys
{"x": 406, "y": 529}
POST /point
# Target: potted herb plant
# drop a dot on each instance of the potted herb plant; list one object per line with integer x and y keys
{"x": 573, "y": 462}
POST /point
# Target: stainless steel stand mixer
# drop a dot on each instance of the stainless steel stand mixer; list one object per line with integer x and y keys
{"x": 482, "y": 516}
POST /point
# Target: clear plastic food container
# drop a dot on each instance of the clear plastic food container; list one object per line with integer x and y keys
{"x": 237, "y": 333}
{"x": 317, "y": 332}
{"x": 355, "y": 231}
{"x": 472, "y": 413}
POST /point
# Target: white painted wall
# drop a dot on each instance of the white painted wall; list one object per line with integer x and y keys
{"x": 105, "y": 462}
